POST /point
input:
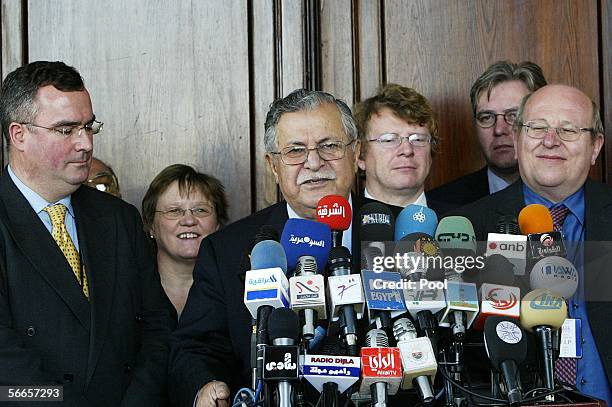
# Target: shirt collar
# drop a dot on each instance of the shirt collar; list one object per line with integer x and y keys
{"x": 574, "y": 202}
{"x": 37, "y": 202}
{"x": 496, "y": 183}
{"x": 421, "y": 200}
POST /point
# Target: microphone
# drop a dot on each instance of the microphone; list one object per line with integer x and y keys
{"x": 376, "y": 226}
{"x": 381, "y": 369}
{"x": 384, "y": 297}
{"x": 265, "y": 288}
{"x": 335, "y": 211}
{"x": 555, "y": 273}
{"x": 345, "y": 295}
{"x": 456, "y": 237}
{"x": 281, "y": 358}
{"x": 418, "y": 359}
{"x": 509, "y": 243}
{"x": 536, "y": 222}
{"x": 506, "y": 346}
{"x": 498, "y": 295}
{"x": 307, "y": 244}
{"x": 302, "y": 237}
{"x": 543, "y": 311}
{"x": 344, "y": 371}
{"x": 415, "y": 218}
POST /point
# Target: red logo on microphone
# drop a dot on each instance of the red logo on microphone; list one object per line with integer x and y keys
{"x": 492, "y": 245}
{"x": 499, "y": 303}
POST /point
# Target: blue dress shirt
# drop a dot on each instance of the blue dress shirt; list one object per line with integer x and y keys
{"x": 591, "y": 377}
{"x": 38, "y": 203}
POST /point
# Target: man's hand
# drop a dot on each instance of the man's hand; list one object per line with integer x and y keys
{"x": 214, "y": 394}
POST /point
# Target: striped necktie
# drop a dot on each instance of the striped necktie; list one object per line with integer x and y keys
{"x": 57, "y": 213}
{"x": 565, "y": 368}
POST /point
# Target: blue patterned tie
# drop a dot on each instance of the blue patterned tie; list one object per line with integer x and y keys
{"x": 565, "y": 368}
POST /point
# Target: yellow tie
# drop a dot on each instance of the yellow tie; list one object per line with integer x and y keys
{"x": 57, "y": 213}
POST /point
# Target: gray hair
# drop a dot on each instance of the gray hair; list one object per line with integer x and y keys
{"x": 596, "y": 122}
{"x": 300, "y": 100}
{"x": 504, "y": 71}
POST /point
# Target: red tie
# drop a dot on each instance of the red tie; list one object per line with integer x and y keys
{"x": 565, "y": 368}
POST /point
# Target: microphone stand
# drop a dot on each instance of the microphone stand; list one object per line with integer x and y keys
{"x": 329, "y": 396}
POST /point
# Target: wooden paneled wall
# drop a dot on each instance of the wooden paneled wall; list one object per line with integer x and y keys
{"x": 191, "y": 82}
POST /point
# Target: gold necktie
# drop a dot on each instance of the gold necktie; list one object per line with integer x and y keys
{"x": 57, "y": 213}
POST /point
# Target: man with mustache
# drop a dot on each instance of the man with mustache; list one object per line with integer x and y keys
{"x": 557, "y": 136}
{"x": 81, "y": 305}
{"x": 311, "y": 146}
{"x": 399, "y": 134}
{"x": 494, "y": 97}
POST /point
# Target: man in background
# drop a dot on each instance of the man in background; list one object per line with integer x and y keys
{"x": 495, "y": 97}
{"x": 398, "y": 130}
{"x": 102, "y": 177}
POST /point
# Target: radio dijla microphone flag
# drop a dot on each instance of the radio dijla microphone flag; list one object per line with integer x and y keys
{"x": 543, "y": 311}
{"x": 265, "y": 287}
{"x": 381, "y": 368}
{"x": 506, "y": 346}
{"x": 335, "y": 211}
{"x": 307, "y": 244}
{"x": 555, "y": 273}
{"x": 321, "y": 369}
{"x": 281, "y": 358}
{"x": 376, "y": 226}
{"x": 418, "y": 359}
{"x": 509, "y": 243}
{"x": 415, "y": 219}
{"x": 346, "y": 297}
{"x": 536, "y": 222}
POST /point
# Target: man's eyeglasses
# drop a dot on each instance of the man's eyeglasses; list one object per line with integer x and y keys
{"x": 328, "y": 151}
{"x": 393, "y": 140}
{"x": 68, "y": 131}
{"x": 178, "y": 213}
{"x": 488, "y": 119}
{"x": 567, "y": 132}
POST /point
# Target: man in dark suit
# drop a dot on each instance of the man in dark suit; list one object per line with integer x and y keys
{"x": 398, "y": 130}
{"x": 558, "y": 135}
{"x": 494, "y": 97}
{"x": 311, "y": 144}
{"x": 81, "y": 305}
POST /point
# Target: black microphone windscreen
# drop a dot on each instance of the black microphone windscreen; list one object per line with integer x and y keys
{"x": 283, "y": 323}
{"x": 339, "y": 256}
{"x": 376, "y": 223}
{"x": 266, "y": 232}
{"x": 497, "y": 270}
{"x": 505, "y": 340}
{"x": 508, "y": 225}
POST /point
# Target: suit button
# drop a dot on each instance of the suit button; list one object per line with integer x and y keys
{"x": 31, "y": 331}
{"x": 68, "y": 378}
{"x": 127, "y": 368}
{"x": 139, "y": 318}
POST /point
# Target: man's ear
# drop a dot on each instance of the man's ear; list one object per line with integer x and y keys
{"x": 598, "y": 143}
{"x": 17, "y": 135}
{"x": 272, "y": 163}
{"x": 359, "y": 162}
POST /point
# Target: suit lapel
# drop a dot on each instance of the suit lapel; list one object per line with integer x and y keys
{"x": 97, "y": 234}
{"x": 38, "y": 246}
